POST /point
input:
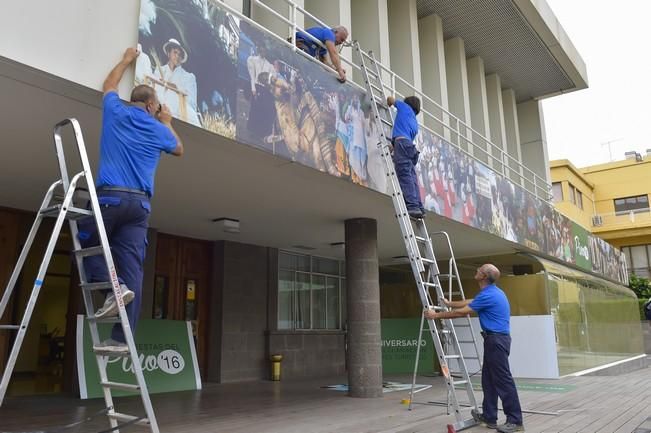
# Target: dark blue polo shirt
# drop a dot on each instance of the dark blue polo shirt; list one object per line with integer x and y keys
{"x": 322, "y": 34}
{"x": 493, "y": 309}
{"x": 405, "y": 123}
{"x": 130, "y": 147}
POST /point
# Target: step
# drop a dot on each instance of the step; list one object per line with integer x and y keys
{"x": 9, "y": 327}
{"x": 100, "y": 352}
{"x": 452, "y": 356}
{"x": 122, "y": 386}
{"x": 422, "y": 239}
{"x": 73, "y": 212}
{"x": 96, "y": 286}
{"x": 115, "y": 319}
{"x": 459, "y": 382}
{"x": 426, "y": 260}
{"x": 91, "y": 251}
{"x": 128, "y": 418}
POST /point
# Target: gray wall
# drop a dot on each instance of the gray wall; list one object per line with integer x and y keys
{"x": 309, "y": 354}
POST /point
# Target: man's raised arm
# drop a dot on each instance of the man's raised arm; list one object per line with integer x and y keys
{"x": 113, "y": 79}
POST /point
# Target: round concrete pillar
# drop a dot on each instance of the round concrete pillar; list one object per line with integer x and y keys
{"x": 363, "y": 305}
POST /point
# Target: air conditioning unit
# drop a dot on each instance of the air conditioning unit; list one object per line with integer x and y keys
{"x": 597, "y": 221}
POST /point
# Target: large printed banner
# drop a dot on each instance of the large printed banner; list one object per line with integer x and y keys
{"x": 225, "y": 75}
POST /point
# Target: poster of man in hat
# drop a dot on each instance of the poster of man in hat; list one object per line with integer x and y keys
{"x": 176, "y": 87}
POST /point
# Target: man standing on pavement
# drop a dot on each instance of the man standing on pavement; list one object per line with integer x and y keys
{"x": 405, "y": 154}
{"x": 133, "y": 137}
{"x": 494, "y": 312}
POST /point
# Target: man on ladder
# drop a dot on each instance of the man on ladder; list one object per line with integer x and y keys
{"x": 133, "y": 137}
{"x": 493, "y": 309}
{"x": 405, "y": 155}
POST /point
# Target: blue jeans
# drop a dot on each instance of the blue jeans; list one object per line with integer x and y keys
{"x": 405, "y": 158}
{"x": 496, "y": 380}
{"x": 126, "y": 217}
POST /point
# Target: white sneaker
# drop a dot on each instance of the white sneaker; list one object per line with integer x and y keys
{"x": 111, "y": 347}
{"x": 110, "y": 307}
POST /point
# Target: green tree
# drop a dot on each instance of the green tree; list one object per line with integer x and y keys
{"x": 641, "y": 286}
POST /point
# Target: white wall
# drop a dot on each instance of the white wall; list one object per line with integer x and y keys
{"x": 533, "y": 346}
{"x": 78, "y": 40}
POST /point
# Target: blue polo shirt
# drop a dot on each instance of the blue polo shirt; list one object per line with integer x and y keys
{"x": 493, "y": 309}
{"x": 405, "y": 123}
{"x": 323, "y": 34}
{"x": 130, "y": 147}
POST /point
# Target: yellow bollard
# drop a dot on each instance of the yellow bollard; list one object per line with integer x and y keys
{"x": 275, "y": 367}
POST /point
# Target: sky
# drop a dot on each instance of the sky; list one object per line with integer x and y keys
{"x": 614, "y": 40}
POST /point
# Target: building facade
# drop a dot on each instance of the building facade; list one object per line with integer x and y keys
{"x": 281, "y": 191}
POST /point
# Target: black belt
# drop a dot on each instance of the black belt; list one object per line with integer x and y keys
{"x": 485, "y": 333}
{"x": 121, "y": 189}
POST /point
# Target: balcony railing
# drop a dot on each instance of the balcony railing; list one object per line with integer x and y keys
{"x": 447, "y": 126}
{"x": 636, "y": 218}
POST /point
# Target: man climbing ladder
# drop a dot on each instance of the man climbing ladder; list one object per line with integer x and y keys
{"x": 133, "y": 137}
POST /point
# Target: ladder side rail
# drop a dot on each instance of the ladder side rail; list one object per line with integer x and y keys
{"x": 11, "y": 284}
{"x": 38, "y": 282}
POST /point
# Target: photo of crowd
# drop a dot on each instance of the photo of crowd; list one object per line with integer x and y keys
{"x": 227, "y": 76}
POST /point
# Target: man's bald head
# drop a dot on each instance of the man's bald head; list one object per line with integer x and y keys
{"x": 341, "y": 34}
{"x": 488, "y": 273}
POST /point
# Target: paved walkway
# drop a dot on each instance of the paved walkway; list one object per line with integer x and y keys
{"x": 585, "y": 404}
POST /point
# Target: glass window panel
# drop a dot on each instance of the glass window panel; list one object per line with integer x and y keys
{"x": 344, "y": 304}
{"x": 332, "y": 288}
{"x": 325, "y": 266}
{"x": 557, "y": 189}
{"x": 303, "y": 263}
{"x": 302, "y": 290}
{"x": 627, "y": 253}
{"x": 286, "y": 261}
{"x": 285, "y": 299}
{"x": 643, "y": 199}
{"x": 319, "y": 304}
{"x": 638, "y": 256}
{"x": 579, "y": 199}
{"x": 160, "y": 297}
{"x": 572, "y": 197}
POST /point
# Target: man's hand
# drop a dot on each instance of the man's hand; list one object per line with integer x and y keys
{"x": 446, "y": 302}
{"x": 342, "y": 75}
{"x": 430, "y": 314}
{"x": 165, "y": 116}
{"x": 130, "y": 54}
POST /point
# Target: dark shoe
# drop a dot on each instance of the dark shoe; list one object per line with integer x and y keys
{"x": 509, "y": 428}
{"x": 479, "y": 417}
{"x": 416, "y": 213}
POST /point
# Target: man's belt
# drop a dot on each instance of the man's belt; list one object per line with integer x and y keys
{"x": 485, "y": 333}
{"x": 122, "y": 189}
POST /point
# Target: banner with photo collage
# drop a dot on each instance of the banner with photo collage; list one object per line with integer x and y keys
{"x": 223, "y": 74}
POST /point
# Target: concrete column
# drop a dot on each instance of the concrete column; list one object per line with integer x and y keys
{"x": 272, "y": 22}
{"x": 479, "y": 107}
{"x": 432, "y": 71}
{"x": 533, "y": 140}
{"x": 458, "y": 92}
{"x": 496, "y": 119}
{"x": 512, "y": 134}
{"x": 333, "y": 13}
{"x": 238, "y": 5}
{"x": 370, "y": 21}
{"x": 363, "y": 306}
{"x": 404, "y": 43}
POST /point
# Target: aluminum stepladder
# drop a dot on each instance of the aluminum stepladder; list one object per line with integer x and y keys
{"x": 463, "y": 331}
{"x": 66, "y": 210}
{"x": 419, "y": 247}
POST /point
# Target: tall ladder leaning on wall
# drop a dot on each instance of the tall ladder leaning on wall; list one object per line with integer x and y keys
{"x": 59, "y": 203}
{"x": 418, "y": 243}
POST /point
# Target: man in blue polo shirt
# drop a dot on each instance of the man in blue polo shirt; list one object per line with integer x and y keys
{"x": 133, "y": 137}
{"x": 330, "y": 38}
{"x": 405, "y": 155}
{"x": 494, "y": 312}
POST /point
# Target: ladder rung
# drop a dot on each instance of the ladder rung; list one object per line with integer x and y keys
{"x": 101, "y": 352}
{"x": 128, "y": 418}
{"x": 465, "y": 341}
{"x": 73, "y": 212}
{"x": 428, "y": 284}
{"x": 9, "y": 327}
{"x": 444, "y": 276}
{"x": 374, "y": 87}
{"x": 92, "y": 251}
{"x": 422, "y": 239}
{"x": 96, "y": 286}
{"x": 122, "y": 386}
{"x": 459, "y": 382}
{"x": 386, "y": 122}
{"x": 451, "y": 356}
{"x": 115, "y": 319}
{"x": 426, "y": 260}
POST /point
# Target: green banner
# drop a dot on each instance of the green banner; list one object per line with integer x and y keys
{"x": 167, "y": 355}
{"x": 399, "y": 344}
{"x": 581, "y": 247}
